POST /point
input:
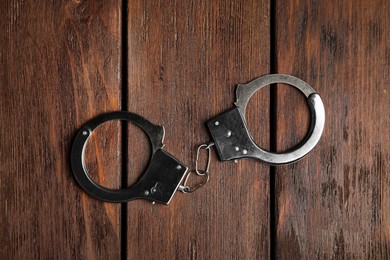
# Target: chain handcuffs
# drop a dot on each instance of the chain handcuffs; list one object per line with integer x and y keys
{"x": 165, "y": 174}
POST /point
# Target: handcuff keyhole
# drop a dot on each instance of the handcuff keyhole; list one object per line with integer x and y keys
{"x": 106, "y": 148}
{"x": 289, "y": 120}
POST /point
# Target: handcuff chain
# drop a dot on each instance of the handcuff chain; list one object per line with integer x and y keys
{"x": 185, "y": 188}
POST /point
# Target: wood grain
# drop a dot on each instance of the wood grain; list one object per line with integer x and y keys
{"x": 335, "y": 203}
{"x": 60, "y": 66}
{"x": 185, "y": 59}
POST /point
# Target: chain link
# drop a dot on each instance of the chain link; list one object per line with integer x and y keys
{"x": 205, "y": 173}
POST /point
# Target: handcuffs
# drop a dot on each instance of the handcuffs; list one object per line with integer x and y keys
{"x": 229, "y": 133}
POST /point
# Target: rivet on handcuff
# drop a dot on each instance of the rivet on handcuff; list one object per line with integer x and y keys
{"x": 231, "y": 138}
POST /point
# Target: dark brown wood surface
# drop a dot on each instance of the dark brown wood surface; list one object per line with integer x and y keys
{"x": 60, "y": 66}
{"x": 335, "y": 204}
{"x": 185, "y": 59}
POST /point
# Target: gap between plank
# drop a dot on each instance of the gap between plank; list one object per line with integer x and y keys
{"x": 124, "y": 129}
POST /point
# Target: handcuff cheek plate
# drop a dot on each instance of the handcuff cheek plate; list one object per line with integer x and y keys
{"x": 233, "y": 140}
{"x": 161, "y": 179}
{"x": 159, "y": 182}
{"x": 231, "y": 136}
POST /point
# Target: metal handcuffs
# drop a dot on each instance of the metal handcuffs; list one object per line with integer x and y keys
{"x": 165, "y": 174}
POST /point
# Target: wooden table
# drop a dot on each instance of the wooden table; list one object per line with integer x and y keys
{"x": 177, "y": 63}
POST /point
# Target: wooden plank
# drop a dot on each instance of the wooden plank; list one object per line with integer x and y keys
{"x": 60, "y": 65}
{"x": 185, "y": 59}
{"x": 335, "y": 203}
